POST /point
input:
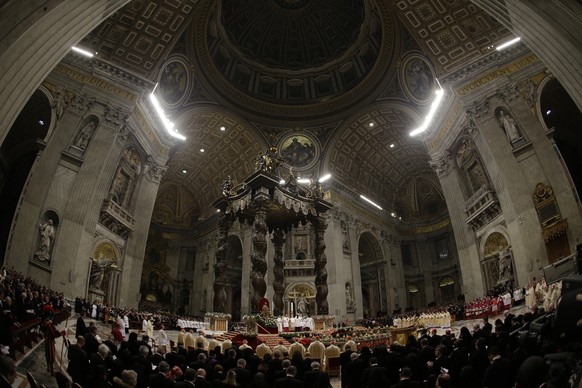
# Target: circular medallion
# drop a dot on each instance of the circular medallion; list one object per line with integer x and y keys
{"x": 417, "y": 77}
{"x": 299, "y": 151}
{"x": 173, "y": 82}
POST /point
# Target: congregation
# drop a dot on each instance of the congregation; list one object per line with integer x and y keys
{"x": 134, "y": 349}
{"x": 485, "y": 355}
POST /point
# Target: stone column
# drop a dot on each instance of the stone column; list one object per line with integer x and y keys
{"x": 246, "y": 237}
{"x": 135, "y": 246}
{"x": 353, "y": 233}
{"x": 219, "y": 303}
{"x": 259, "y": 264}
{"x": 320, "y": 224}
{"x": 464, "y": 235}
{"x": 278, "y": 273}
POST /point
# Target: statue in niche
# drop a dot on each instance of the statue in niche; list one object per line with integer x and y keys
{"x": 47, "y": 236}
{"x": 84, "y": 135}
{"x": 345, "y": 237}
{"x": 120, "y": 186}
{"x": 349, "y": 296}
{"x": 302, "y": 306}
{"x": 509, "y": 126}
{"x": 477, "y": 176}
{"x": 98, "y": 268}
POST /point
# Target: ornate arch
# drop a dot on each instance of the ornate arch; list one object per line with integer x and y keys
{"x": 492, "y": 240}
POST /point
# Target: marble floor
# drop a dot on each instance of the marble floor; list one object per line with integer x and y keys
{"x": 35, "y": 363}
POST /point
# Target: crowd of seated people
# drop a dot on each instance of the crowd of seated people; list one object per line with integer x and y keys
{"x": 485, "y": 355}
{"x": 23, "y": 303}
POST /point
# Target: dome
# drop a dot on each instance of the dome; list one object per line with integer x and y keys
{"x": 292, "y": 34}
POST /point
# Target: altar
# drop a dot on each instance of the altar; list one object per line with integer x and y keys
{"x": 273, "y": 205}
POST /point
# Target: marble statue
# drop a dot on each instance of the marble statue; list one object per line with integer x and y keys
{"x": 509, "y": 126}
{"x": 100, "y": 265}
{"x": 47, "y": 236}
{"x": 82, "y": 140}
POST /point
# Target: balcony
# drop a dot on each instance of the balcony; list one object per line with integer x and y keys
{"x": 116, "y": 219}
{"x": 297, "y": 268}
{"x": 482, "y": 207}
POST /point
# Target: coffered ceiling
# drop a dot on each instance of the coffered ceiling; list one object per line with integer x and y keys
{"x": 350, "y": 78}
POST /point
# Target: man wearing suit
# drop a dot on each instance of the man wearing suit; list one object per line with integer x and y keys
{"x": 315, "y": 378}
{"x": 499, "y": 373}
{"x": 345, "y": 358}
{"x": 289, "y": 381}
{"x": 441, "y": 360}
{"x": 175, "y": 359}
{"x": 200, "y": 380}
{"x": 243, "y": 375}
{"x": 406, "y": 381}
{"x": 354, "y": 371}
{"x": 189, "y": 378}
{"x": 159, "y": 379}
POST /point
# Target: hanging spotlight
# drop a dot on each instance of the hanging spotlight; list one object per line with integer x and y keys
{"x": 82, "y": 52}
{"x": 167, "y": 123}
{"x": 439, "y": 93}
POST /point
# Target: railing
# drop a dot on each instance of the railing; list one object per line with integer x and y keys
{"x": 118, "y": 213}
{"x": 482, "y": 202}
{"x": 292, "y": 264}
{"x": 28, "y": 333}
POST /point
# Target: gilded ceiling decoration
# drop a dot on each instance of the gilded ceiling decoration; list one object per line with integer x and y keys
{"x": 452, "y": 32}
{"x": 317, "y": 70}
{"x": 141, "y": 34}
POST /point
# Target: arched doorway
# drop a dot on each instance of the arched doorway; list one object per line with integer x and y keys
{"x": 372, "y": 270}
{"x": 299, "y": 299}
{"x": 497, "y": 262}
{"x": 447, "y": 290}
{"x": 414, "y": 297}
{"x": 234, "y": 276}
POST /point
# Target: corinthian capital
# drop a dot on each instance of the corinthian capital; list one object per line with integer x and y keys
{"x": 478, "y": 110}
{"x": 443, "y": 165}
{"x": 509, "y": 93}
{"x": 153, "y": 171}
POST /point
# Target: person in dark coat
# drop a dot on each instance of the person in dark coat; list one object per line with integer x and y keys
{"x": 354, "y": 371}
{"x": 406, "y": 380}
{"x": 91, "y": 342}
{"x": 289, "y": 381}
{"x": 189, "y": 378}
{"x": 78, "y": 367}
{"x": 479, "y": 359}
{"x": 316, "y": 378}
{"x": 499, "y": 373}
{"x": 243, "y": 375}
{"x": 159, "y": 379}
{"x": 201, "y": 379}
{"x": 81, "y": 326}
{"x": 375, "y": 376}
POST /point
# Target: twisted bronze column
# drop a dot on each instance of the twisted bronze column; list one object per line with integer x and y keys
{"x": 278, "y": 272}
{"x": 320, "y": 224}
{"x": 259, "y": 264}
{"x": 219, "y": 303}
